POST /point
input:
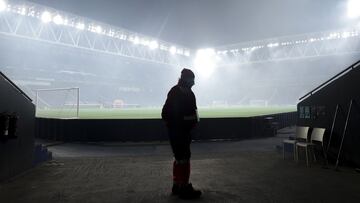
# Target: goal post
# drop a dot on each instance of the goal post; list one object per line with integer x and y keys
{"x": 58, "y": 102}
{"x": 259, "y": 103}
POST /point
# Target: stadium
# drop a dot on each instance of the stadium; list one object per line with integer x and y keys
{"x": 84, "y": 82}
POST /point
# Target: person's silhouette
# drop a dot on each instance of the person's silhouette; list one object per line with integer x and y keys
{"x": 180, "y": 115}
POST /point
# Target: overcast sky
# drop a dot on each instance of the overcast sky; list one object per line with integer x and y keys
{"x": 209, "y": 23}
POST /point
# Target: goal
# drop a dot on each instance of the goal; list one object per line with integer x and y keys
{"x": 258, "y": 103}
{"x": 58, "y": 102}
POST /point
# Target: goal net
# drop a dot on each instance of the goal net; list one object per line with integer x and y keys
{"x": 57, "y": 102}
{"x": 258, "y": 103}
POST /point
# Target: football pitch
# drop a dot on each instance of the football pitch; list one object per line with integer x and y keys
{"x": 155, "y": 113}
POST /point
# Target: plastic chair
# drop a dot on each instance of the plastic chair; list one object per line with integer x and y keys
{"x": 317, "y": 135}
{"x": 300, "y": 135}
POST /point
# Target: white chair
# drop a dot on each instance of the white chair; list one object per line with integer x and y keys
{"x": 300, "y": 135}
{"x": 317, "y": 135}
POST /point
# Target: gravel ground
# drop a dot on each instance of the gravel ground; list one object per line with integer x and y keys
{"x": 241, "y": 171}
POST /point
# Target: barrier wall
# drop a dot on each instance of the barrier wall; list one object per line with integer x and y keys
{"x": 136, "y": 130}
{"x": 16, "y": 154}
{"x": 318, "y": 110}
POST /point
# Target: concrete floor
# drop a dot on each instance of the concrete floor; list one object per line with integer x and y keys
{"x": 238, "y": 171}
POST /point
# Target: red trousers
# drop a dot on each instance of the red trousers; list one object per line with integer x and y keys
{"x": 181, "y": 172}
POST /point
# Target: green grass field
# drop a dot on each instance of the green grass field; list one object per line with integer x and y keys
{"x": 154, "y": 113}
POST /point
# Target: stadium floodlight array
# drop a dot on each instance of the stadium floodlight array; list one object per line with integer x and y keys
{"x": 292, "y": 47}
{"x": 125, "y": 42}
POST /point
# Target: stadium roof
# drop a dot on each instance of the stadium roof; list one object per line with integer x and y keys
{"x": 208, "y": 23}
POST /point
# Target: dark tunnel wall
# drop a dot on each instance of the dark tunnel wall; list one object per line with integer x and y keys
{"x": 16, "y": 155}
{"x": 318, "y": 110}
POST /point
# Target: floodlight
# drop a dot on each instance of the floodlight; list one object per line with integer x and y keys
{"x": 268, "y": 45}
{"x": 80, "y": 26}
{"x": 345, "y": 35}
{"x": 187, "y": 53}
{"x": 2, "y": 5}
{"x": 205, "y": 62}
{"x": 31, "y": 13}
{"x": 172, "y": 50}
{"x": 154, "y": 45}
{"x": 111, "y": 33}
{"x": 136, "y": 40}
{"x": 353, "y": 9}
{"x": 144, "y": 42}
{"x": 98, "y": 29}
{"x": 22, "y": 11}
{"x": 46, "y": 17}
{"x": 58, "y": 20}
{"x": 123, "y": 37}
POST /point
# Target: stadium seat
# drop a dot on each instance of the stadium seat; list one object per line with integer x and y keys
{"x": 300, "y": 135}
{"x": 317, "y": 136}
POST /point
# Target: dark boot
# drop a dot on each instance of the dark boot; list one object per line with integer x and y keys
{"x": 188, "y": 192}
{"x": 175, "y": 189}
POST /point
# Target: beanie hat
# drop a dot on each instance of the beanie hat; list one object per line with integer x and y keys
{"x": 187, "y": 73}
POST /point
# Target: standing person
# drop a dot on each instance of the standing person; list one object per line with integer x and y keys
{"x": 180, "y": 115}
